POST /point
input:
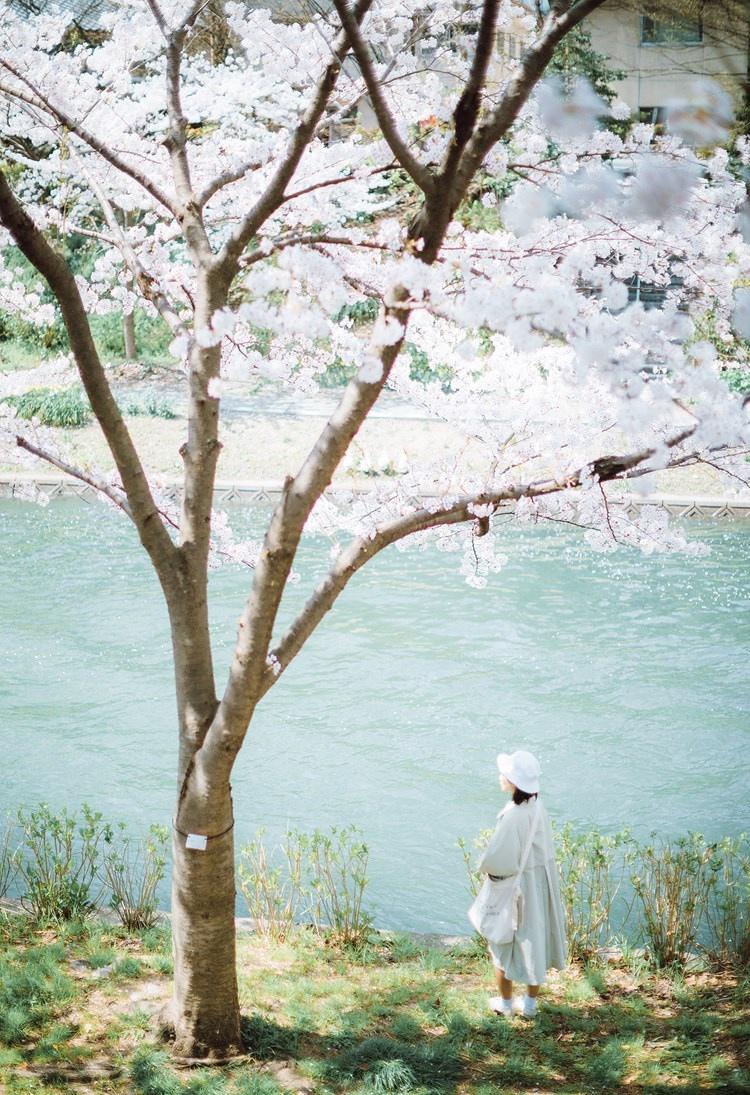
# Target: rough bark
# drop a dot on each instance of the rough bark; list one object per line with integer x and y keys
{"x": 205, "y": 1009}
{"x": 128, "y": 334}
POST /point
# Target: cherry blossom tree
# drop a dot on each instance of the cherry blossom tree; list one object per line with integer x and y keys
{"x": 223, "y": 203}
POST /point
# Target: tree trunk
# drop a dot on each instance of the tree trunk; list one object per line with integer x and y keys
{"x": 128, "y": 333}
{"x": 205, "y": 1008}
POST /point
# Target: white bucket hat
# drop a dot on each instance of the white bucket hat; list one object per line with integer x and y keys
{"x": 521, "y": 769}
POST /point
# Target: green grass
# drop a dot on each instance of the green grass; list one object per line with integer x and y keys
{"x": 62, "y": 407}
{"x": 395, "y": 1017}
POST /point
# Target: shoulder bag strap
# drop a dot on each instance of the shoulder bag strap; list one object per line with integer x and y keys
{"x": 530, "y": 841}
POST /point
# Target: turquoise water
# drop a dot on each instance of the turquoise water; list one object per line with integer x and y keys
{"x": 626, "y": 675}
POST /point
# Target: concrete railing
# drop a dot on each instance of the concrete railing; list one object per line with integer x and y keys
{"x": 21, "y": 484}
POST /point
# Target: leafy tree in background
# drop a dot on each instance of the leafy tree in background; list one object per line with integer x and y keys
{"x": 575, "y": 57}
{"x": 254, "y": 228}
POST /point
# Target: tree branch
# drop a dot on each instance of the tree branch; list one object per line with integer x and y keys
{"x": 147, "y": 284}
{"x": 532, "y": 67}
{"x": 35, "y": 98}
{"x": 273, "y": 196}
{"x": 101, "y": 485}
{"x": 232, "y": 174}
{"x": 361, "y": 550}
{"x": 53, "y": 268}
{"x": 466, "y": 113}
{"x": 453, "y": 180}
{"x": 420, "y": 174}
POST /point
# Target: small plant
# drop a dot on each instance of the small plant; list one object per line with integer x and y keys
{"x": 738, "y": 380}
{"x": 32, "y": 988}
{"x": 470, "y": 855}
{"x": 133, "y": 870}
{"x": 337, "y": 879}
{"x": 7, "y": 859}
{"x": 128, "y": 967}
{"x": 151, "y": 1074}
{"x": 673, "y": 886}
{"x": 59, "y": 861}
{"x": 358, "y": 314}
{"x": 151, "y": 407}
{"x": 727, "y": 914}
{"x": 592, "y": 871}
{"x": 336, "y": 374}
{"x": 271, "y": 884}
{"x": 61, "y": 407}
{"x": 421, "y": 369}
{"x": 394, "y": 1075}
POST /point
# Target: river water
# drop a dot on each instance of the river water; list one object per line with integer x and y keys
{"x": 627, "y": 675}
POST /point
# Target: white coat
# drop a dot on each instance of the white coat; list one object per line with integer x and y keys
{"x": 539, "y": 944}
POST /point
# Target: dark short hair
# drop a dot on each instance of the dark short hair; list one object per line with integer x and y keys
{"x": 520, "y": 796}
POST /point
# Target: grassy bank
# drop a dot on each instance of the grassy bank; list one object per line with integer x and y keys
{"x": 78, "y": 1007}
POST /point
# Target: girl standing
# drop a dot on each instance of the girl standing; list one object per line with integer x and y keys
{"x": 539, "y": 943}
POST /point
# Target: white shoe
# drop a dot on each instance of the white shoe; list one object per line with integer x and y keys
{"x": 527, "y": 1007}
{"x": 501, "y": 1006}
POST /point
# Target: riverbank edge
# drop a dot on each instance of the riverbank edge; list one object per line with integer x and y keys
{"x": 20, "y": 484}
{"x": 246, "y": 925}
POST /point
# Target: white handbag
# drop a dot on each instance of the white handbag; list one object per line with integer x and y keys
{"x": 497, "y": 911}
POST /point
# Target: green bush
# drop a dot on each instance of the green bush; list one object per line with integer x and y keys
{"x": 7, "y": 858}
{"x": 672, "y": 884}
{"x": 318, "y": 875}
{"x": 336, "y": 374}
{"x": 58, "y": 861}
{"x": 359, "y": 313}
{"x": 133, "y": 870}
{"x": 421, "y": 369}
{"x": 62, "y": 407}
{"x": 593, "y": 868}
{"x": 336, "y": 867}
{"x": 152, "y": 336}
{"x": 271, "y": 883}
{"x": 738, "y": 380}
{"x": 727, "y": 913}
{"x": 607, "y": 1066}
{"x": 393, "y": 1075}
{"x": 151, "y": 1074}
{"x": 151, "y": 407}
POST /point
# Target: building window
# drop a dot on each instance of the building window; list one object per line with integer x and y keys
{"x": 653, "y": 115}
{"x": 509, "y": 45}
{"x": 671, "y": 30}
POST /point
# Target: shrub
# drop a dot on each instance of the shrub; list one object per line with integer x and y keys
{"x": 133, "y": 870}
{"x": 7, "y": 859}
{"x": 62, "y": 407}
{"x": 393, "y": 1075}
{"x": 672, "y": 886}
{"x": 337, "y": 879}
{"x": 59, "y": 861}
{"x": 271, "y": 884}
{"x": 470, "y": 856}
{"x": 727, "y": 913}
{"x": 151, "y": 407}
{"x": 336, "y": 374}
{"x": 607, "y": 1066}
{"x": 359, "y": 313}
{"x": 322, "y": 875}
{"x": 592, "y": 870}
{"x": 152, "y": 335}
{"x": 738, "y": 380}
{"x": 422, "y": 370}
